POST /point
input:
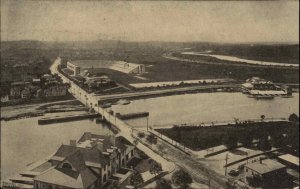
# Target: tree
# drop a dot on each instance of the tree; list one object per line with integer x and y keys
{"x": 293, "y": 118}
{"x": 141, "y": 135}
{"x": 278, "y": 140}
{"x": 247, "y": 139}
{"x": 264, "y": 144}
{"x": 163, "y": 184}
{"x": 155, "y": 167}
{"x": 182, "y": 179}
{"x": 151, "y": 139}
{"x": 114, "y": 185}
{"x": 230, "y": 141}
{"x": 262, "y": 117}
{"x": 135, "y": 142}
{"x": 136, "y": 179}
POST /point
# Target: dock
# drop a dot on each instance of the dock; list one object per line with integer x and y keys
{"x": 132, "y": 115}
{"x": 66, "y": 118}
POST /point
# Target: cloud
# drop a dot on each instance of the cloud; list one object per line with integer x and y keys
{"x": 217, "y": 21}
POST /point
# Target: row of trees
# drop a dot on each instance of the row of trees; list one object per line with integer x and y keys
{"x": 180, "y": 179}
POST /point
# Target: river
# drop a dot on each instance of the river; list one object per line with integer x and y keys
{"x": 23, "y": 141}
{"x": 240, "y": 60}
{"x": 207, "y": 107}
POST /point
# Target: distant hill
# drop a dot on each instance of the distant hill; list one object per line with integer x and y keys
{"x": 288, "y": 53}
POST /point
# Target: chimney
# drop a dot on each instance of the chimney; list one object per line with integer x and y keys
{"x": 87, "y": 136}
{"x": 73, "y": 143}
{"x": 112, "y": 140}
{"x": 100, "y": 146}
{"x": 260, "y": 160}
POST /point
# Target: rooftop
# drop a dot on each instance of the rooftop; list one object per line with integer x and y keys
{"x": 266, "y": 166}
{"x": 290, "y": 158}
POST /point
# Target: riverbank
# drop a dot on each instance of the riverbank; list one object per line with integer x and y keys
{"x": 199, "y": 137}
{"x": 35, "y": 110}
{"x": 16, "y": 102}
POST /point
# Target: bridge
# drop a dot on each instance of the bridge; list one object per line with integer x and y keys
{"x": 91, "y": 100}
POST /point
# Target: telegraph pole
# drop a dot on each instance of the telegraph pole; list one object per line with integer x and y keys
{"x": 147, "y": 123}
{"x": 226, "y": 159}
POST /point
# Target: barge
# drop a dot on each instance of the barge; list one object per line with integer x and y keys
{"x": 132, "y": 115}
{"x": 58, "y": 119}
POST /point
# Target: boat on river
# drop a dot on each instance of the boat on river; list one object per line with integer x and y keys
{"x": 267, "y": 97}
{"x": 123, "y": 102}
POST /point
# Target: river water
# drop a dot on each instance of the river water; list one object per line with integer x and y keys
{"x": 24, "y": 141}
{"x": 236, "y": 59}
{"x": 207, "y": 107}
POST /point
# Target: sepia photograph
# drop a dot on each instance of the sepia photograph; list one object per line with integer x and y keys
{"x": 149, "y": 94}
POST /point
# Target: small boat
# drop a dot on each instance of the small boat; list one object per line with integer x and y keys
{"x": 286, "y": 96}
{"x": 261, "y": 96}
{"x": 123, "y": 102}
{"x": 106, "y": 105}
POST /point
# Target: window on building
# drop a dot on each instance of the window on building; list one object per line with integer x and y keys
{"x": 104, "y": 178}
{"x": 66, "y": 166}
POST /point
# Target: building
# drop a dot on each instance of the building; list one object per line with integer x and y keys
{"x": 127, "y": 67}
{"x": 289, "y": 160}
{"x": 270, "y": 173}
{"x": 4, "y": 98}
{"x": 74, "y": 68}
{"x": 55, "y": 90}
{"x": 91, "y": 163}
{"x": 25, "y": 93}
{"x": 17, "y": 87}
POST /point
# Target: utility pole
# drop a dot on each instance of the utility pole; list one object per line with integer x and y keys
{"x": 147, "y": 123}
{"x": 226, "y": 159}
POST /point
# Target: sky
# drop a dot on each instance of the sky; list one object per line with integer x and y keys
{"x": 180, "y": 21}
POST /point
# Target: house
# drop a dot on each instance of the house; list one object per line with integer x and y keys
{"x": 56, "y": 90}
{"x": 270, "y": 173}
{"x": 92, "y": 162}
{"x": 5, "y": 98}
{"x": 17, "y": 87}
{"x": 25, "y": 93}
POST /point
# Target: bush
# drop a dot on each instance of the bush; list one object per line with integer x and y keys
{"x": 293, "y": 118}
{"x": 182, "y": 179}
{"x": 151, "y": 139}
{"x": 163, "y": 184}
{"x": 141, "y": 135}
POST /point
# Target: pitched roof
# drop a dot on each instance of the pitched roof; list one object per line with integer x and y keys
{"x": 77, "y": 176}
{"x": 266, "y": 166}
{"x": 92, "y": 155}
{"x": 119, "y": 141}
{"x": 68, "y": 178}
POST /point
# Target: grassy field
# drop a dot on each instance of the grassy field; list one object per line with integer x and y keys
{"x": 205, "y": 137}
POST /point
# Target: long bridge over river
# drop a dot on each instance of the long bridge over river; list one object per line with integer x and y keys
{"x": 92, "y": 101}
